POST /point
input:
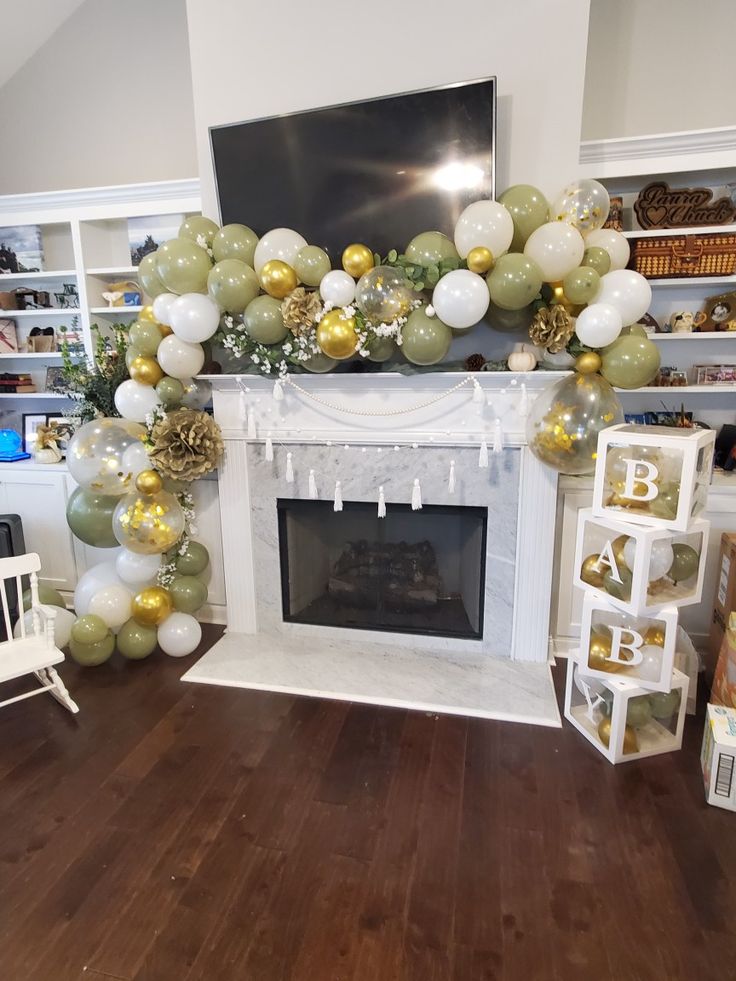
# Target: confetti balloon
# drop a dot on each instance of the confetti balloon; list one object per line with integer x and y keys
{"x": 584, "y": 204}
{"x": 382, "y": 295}
{"x": 96, "y": 455}
{"x": 148, "y": 524}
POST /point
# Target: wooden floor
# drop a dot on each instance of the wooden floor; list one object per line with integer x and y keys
{"x": 179, "y": 832}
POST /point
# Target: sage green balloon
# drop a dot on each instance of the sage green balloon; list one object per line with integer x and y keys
{"x": 197, "y": 226}
{"x": 235, "y": 242}
{"x": 145, "y": 337}
{"x": 170, "y": 391}
{"x": 514, "y": 282}
{"x": 581, "y": 285}
{"x": 194, "y": 561}
{"x": 131, "y": 353}
{"x": 90, "y": 518}
{"x": 263, "y": 321}
{"x": 630, "y": 361}
{"x": 148, "y": 277}
{"x": 638, "y": 711}
{"x": 425, "y": 340}
{"x": 90, "y": 655}
{"x": 667, "y": 501}
{"x": 528, "y": 208}
{"x": 89, "y": 629}
{"x": 685, "y": 563}
{"x": 136, "y": 641}
{"x": 47, "y": 595}
{"x": 319, "y": 364}
{"x": 382, "y": 349}
{"x": 636, "y": 329}
{"x": 232, "y": 284}
{"x": 311, "y": 265}
{"x": 509, "y": 321}
{"x": 430, "y": 248}
{"x": 188, "y": 593}
{"x": 597, "y": 258}
{"x": 664, "y": 703}
{"x": 621, "y": 590}
{"x": 183, "y": 266}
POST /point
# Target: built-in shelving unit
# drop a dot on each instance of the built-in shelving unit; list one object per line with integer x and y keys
{"x": 728, "y": 336}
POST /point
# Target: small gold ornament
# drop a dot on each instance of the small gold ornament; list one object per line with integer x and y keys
{"x": 654, "y": 636}
{"x": 591, "y": 572}
{"x": 357, "y": 259}
{"x": 480, "y": 260}
{"x": 336, "y": 335}
{"x": 618, "y": 545}
{"x": 149, "y": 482}
{"x": 152, "y": 606}
{"x": 599, "y": 653}
{"x": 165, "y": 329}
{"x": 146, "y": 315}
{"x": 147, "y": 371}
{"x": 631, "y": 743}
{"x": 588, "y": 363}
{"x": 558, "y": 298}
{"x": 278, "y": 279}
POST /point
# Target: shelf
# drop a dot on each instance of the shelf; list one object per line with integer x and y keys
{"x": 28, "y": 355}
{"x": 690, "y": 281}
{"x": 117, "y": 311}
{"x": 666, "y": 232}
{"x": 21, "y": 277}
{"x": 34, "y": 395}
{"x": 677, "y": 389}
{"x": 706, "y": 335}
{"x": 113, "y": 271}
{"x": 47, "y": 312}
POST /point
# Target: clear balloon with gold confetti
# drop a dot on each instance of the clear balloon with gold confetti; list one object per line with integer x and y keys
{"x": 148, "y": 523}
{"x": 96, "y": 455}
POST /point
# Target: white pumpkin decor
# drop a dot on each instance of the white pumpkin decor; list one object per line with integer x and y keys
{"x": 522, "y": 358}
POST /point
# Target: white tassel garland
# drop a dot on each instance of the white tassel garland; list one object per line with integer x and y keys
{"x": 497, "y": 437}
{"x": 312, "y": 486}
{"x": 243, "y": 407}
{"x": 523, "y": 402}
{"x": 416, "y": 496}
{"x": 251, "y": 424}
{"x": 381, "y": 503}
{"x": 478, "y": 395}
{"x": 268, "y": 450}
{"x": 289, "y": 469}
{"x": 451, "y": 478}
{"x": 278, "y": 391}
{"x": 483, "y": 455}
{"x": 338, "y": 497}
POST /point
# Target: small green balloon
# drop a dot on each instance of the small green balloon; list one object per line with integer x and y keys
{"x": 188, "y": 593}
{"x": 382, "y": 349}
{"x": 182, "y": 266}
{"x": 148, "y": 277}
{"x": 597, "y": 258}
{"x": 621, "y": 590}
{"x": 90, "y": 655}
{"x": 425, "y": 340}
{"x": 89, "y": 629}
{"x": 667, "y": 501}
{"x": 136, "y": 641}
{"x": 196, "y": 227}
{"x": 581, "y": 285}
{"x": 319, "y": 364}
{"x": 430, "y": 248}
{"x": 194, "y": 561}
{"x": 131, "y": 353}
{"x": 638, "y": 711}
{"x": 170, "y": 391}
{"x": 232, "y": 284}
{"x": 630, "y": 361}
{"x": 514, "y": 282}
{"x": 145, "y": 337}
{"x": 47, "y": 595}
{"x": 311, "y": 265}
{"x": 636, "y": 329}
{"x": 528, "y": 208}
{"x": 263, "y": 321}
{"x": 90, "y": 518}
{"x": 663, "y": 704}
{"x": 685, "y": 563}
{"x": 235, "y": 242}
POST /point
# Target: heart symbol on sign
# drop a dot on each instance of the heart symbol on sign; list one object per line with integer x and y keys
{"x": 656, "y": 215}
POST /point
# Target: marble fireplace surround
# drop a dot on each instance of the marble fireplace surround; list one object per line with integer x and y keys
{"x": 505, "y": 675}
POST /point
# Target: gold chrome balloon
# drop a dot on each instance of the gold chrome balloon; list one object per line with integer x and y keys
{"x": 480, "y": 260}
{"x": 631, "y": 743}
{"x": 654, "y": 636}
{"x": 165, "y": 329}
{"x": 357, "y": 259}
{"x": 146, "y": 314}
{"x": 599, "y": 653}
{"x": 618, "y": 545}
{"x": 278, "y": 279}
{"x": 591, "y": 572}
{"x": 558, "y": 297}
{"x": 588, "y": 363}
{"x": 152, "y": 606}
{"x": 147, "y": 371}
{"x": 336, "y": 335}
{"x": 149, "y": 482}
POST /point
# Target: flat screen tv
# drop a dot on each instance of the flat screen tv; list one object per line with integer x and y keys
{"x": 376, "y": 172}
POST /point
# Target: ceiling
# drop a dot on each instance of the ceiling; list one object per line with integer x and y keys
{"x": 26, "y": 26}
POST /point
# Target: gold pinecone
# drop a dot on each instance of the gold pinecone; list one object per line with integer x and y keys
{"x": 300, "y": 310}
{"x": 186, "y": 444}
{"x": 552, "y": 328}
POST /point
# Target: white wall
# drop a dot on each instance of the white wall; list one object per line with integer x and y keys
{"x": 106, "y": 100}
{"x": 274, "y": 58}
{"x": 658, "y": 66}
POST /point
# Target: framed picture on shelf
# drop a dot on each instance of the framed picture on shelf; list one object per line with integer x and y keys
{"x": 31, "y": 422}
{"x": 55, "y": 381}
{"x": 8, "y": 337}
{"x": 720, "y": 313}
{"x": 65, "y": 425}
{"x": 21, "y": 249}
{"x": 146, "y": 234}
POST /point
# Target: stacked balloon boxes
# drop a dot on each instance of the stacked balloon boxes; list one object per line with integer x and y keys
{"x": 640, "y": 555}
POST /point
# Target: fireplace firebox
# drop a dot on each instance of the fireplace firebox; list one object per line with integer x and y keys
{"x": 418, "y": 572}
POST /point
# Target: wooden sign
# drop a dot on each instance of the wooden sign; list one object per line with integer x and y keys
{"x": 660, "y": 206}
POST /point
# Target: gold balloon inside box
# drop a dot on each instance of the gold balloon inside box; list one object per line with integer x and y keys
{"x": 653, "y": 475}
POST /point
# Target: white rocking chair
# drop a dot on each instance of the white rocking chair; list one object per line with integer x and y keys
{"x": 35, "y": 653}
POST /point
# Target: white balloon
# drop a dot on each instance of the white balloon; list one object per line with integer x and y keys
{"x": 279, "y": 243}
{"x": 135, "y": 459}
{"x": 460, "y": 299}
{"x": 337, "y": 287}
{"x": 660, "y": 561}
{"x": 627, "y": 291}
{"x": 194, "y": 317}
{"x": 63, "y": 623}
{"x": 179, "y": 634}
{"x": 613, "y": 243}
{"x": 179, "y": 358}
{"x": 113, "y": 604}
{"x": 91, "y": 582}
{"x": 197, "y": 393}
{"x": 557, "y": 248}
{"x": 162, "y": 307}
{"x": 485, "y": 223}
{"x": 598, "y": 324}
{"x": 137, "y": 570}
{"x": 134, "y": 400}
{"x": 650, "y": 668}
{"x": 581, "y": 682}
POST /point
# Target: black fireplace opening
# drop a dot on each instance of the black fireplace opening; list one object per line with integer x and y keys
{"x": 417, "y": 572}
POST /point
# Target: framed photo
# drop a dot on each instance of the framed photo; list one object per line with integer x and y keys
{"x": 720, "y": 313}
{"x": 55, "y": 379}
{"x": 8, "y": 337}
{"x": 66, "y": 427}
{"x": 21, "y": 249}
{"x": 146, "y": 234}
{"x": 31, "y": 422}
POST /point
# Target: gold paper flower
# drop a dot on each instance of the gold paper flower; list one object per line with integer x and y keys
{"x": 186, "y": 444}
{"x": 552, "y": 328}
{"x": 300, "y": 310}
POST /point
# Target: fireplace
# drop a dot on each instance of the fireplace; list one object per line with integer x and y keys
{"x": 416, "y": 572}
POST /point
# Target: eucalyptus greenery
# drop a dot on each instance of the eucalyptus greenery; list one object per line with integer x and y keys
{"x": 91, "y": 382}
{"x": 420, "y": 277}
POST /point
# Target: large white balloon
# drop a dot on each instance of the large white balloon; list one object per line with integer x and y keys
{"x": 661, "y": 558}
{"x": 113, "y": 604}
{"x": 91, "y": 582}
{"x": 197, "y": 393}
{"x": 627, "y": 291}
{"x": 557, "y": 248}
{"x": 179, "y": 358}
{"x": 485, "y": 223}
{"x": 133, "y": 400}
{"x": 460, "y": 299}
{"x": 179, "y": 634}
{"x": 598, "y": 324}
{"x": 338, "y": 288}
{"x": 63, "y": 623}
{"x": 194, "y": 317}
{"x": 137, "y": 570}
{"x": 162, "y": 307}
{"x": 613, "y": 243}
{"x": 279, "y": 243}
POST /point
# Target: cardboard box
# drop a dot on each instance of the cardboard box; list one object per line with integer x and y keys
{"x": 723, "y": 691}
{"x": 718, "y": 757}
{"x": 724, "y": 602}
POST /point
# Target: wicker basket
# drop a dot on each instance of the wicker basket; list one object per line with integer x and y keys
{"x": 681, "y": 256}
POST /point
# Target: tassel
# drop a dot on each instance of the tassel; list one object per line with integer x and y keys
{"x": 251, "y": 424}
{"x": 523, "y": 402}
{"x": 278, "y": 391}
{"x": 451, "y": 478}
{"x": 497, "y": 437}
{"x": 478, "y": 395}
{"x": 338, "y": 497}
{"x": 243, "y": 407}
{"x": 381, "y": 503}
{"x": 483, "y": 455}
{"x": 289, "y": 469}
{"x": 269, "y": 449}
{"x": 312, "y": 486}
{"x": 416, "y": 496}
